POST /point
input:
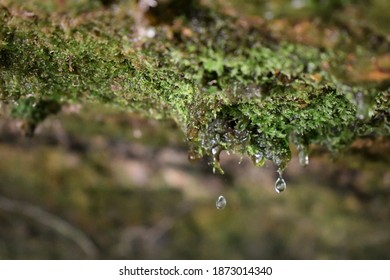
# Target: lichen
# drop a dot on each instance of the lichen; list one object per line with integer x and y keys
{"x": 228, "y": 85}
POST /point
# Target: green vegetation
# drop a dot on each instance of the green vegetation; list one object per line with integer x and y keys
{"x": 228, "y": 84}
{"x": 106, "y": 174}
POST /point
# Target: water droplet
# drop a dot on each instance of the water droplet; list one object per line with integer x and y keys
{"x": 258, "y": 159}
{"x": 193, "y": 156}
{"x": 221, "y": 202}
{"x": 303, "y": 156}
{"x": 280, "y": 184}
{"x": 277, "y": 160}
{"x": 215, "y": 151}
{"x": 361, "y": 106}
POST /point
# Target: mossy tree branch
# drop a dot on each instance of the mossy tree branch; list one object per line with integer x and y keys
{"x": 229, "y": 85}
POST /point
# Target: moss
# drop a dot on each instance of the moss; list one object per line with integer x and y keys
{"x": 228, "y": 85}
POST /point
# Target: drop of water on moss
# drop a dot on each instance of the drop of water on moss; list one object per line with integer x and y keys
{"x": 192, "y": 156}
{"x": 361, "y": 106}
{"x": 303, "y": 156}
{"x": 258, "y": 159}
{"x": 215, "y": 152}
{"x": 221, "y": 202}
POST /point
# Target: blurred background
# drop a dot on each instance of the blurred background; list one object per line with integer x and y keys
{"x": 98, "y": 183}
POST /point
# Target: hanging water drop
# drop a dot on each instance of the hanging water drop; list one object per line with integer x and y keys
{"x": 280, "y": 184}
{"x": 193, "y": 156}
{"x": 258, "y": 159}
{"x": 302, "y": 147}
{"x": 303, "y": 157}
{"x": 215, "y": 152}
{"x": 221, "y": 202}
{"x": 361, "y": 106}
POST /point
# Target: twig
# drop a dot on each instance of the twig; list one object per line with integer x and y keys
{"x": 45, "y": 218}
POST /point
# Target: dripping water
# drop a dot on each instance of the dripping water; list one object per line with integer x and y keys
{"x": 221, "y": 202}
{"x": 280, "y": 184}
{"x": 258, "y": 159}
{"x": 303, "y": 155}
{"x": 361, "y": 106}
{"x": 215, "y": 152}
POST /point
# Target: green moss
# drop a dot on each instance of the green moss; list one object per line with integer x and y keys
{"x": 227, "y": 86}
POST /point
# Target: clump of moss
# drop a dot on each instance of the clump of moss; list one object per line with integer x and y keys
{"x": 229, "y": 86}
{"x": 256, "y": 93}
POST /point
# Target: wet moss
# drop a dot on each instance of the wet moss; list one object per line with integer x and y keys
{"x": 228, "y": 84}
